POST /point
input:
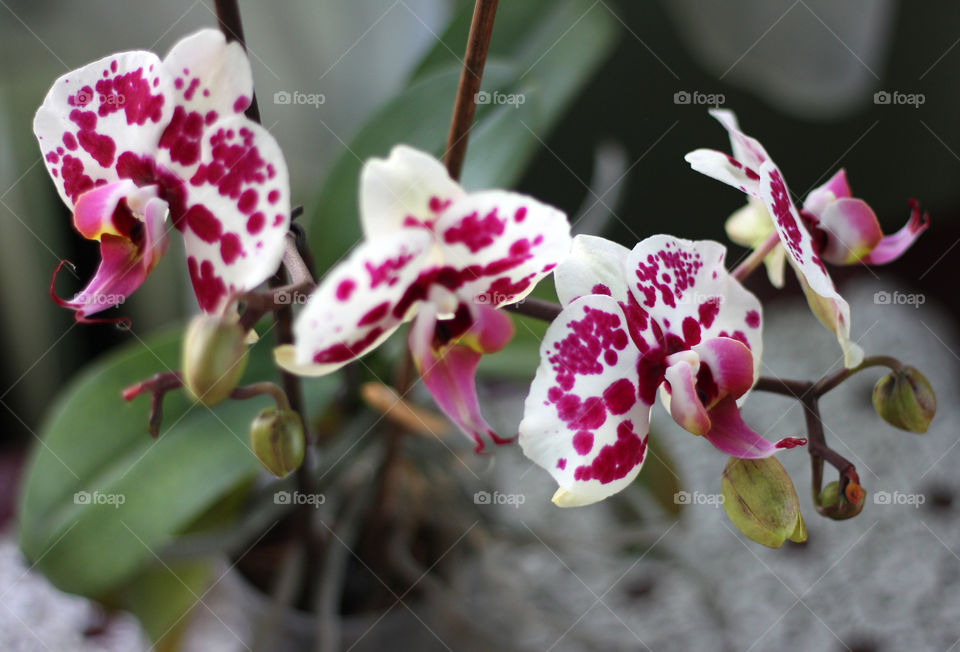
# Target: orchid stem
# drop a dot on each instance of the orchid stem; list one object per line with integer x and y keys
{"x": 798, "y": 389}
{"x": 228, "y": 16}
{"x": 478, "y": 42}
{"x": 158, "y": 386}
{"x": 824, "y": 385}
{"x": 744, "y": 269}
{"x": 259, "y": 389}
{"x": 536, "y": 308}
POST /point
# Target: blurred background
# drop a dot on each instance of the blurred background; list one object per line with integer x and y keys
{"x": 803, "y": 77}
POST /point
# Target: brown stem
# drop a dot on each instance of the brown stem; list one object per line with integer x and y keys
{"x": 827, "y": 383}
{"x": 537, "y": 308}
{"x": 228, "y": 16}
{"x": 793, "y": 388}
{"x": 744, "y": 269}
{"x": 820, "y": 452}
{"x": 158, "y": 386}
{"x": 259, "y": 389}
{"x": 257, "y": 304}
{"x": 799, "y": 388}
{"x": 478, "y": 42}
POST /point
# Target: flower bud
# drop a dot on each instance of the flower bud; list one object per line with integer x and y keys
{"x": 839, "y": 507}
{"x": 214, "y": 356}
{"x": 760, "y": 499}
{"x": 277, "y": 439}
{"x": 905, "y": 399}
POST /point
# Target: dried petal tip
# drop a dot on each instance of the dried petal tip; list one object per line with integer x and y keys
{"x": 277, "y": 439}
{"x": 214, "y": 357}
{"x": 841, "y": 506}
{"x": 760, "y": 499}
{"x": 905, "y": 399}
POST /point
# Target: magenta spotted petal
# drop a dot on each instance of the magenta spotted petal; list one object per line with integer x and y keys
{"x": 408, "y": 188}
{"x": 751, "y": 170}
{"x": 685, "y": 288}
{"x": 827, "y": 304}
{"x": 501, "y": 244}
{"x": 175, "y": 126}
{"x": 672, "y": 320}
{"x": 583, "y": 420}
{"x": 361, "y": 302}
{"x": 449, "y": 258}
{"x": 595, "y": 266}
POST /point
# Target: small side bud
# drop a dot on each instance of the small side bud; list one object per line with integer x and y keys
{"x": 214, "y": 356}
{"x": 841, "y": 506}
{"x": 905, "y": 399}
{"x": 760, "y": 499}
{"x": 277, "y": 439}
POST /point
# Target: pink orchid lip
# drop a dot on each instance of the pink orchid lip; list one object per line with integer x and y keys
{"x": 892, "y": 246}
{"x": 732, "y": 436}
{"x": 686, "y": 406}
{"x": 851, "y": 228}
{"x": 835, "y": 188}
{"x": 448, "y": 364}
{"x": 132, "y": 235}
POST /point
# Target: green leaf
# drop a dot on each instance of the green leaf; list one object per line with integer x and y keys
{"x": 162, "y": 597}
{"x": 140, "y": 492}
{"x": 660, "y": 477}
{"x": 543, "y": 49}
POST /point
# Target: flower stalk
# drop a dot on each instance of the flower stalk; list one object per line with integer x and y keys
{"x": 478, "y": 42}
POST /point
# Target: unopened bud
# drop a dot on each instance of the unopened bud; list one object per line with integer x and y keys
{"x": 760, "y": 499}
{"x": 214, "y": 356}
{"x": 905, "y": 399}
{"x": 276, "y": 437}
{"x": 841, "y": 506}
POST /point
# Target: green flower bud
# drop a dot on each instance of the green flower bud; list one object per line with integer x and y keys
{"x": 830, "y": 495}
{"x": 277, "y": 439}
{"x": 214, "y": 356}
{"x": 841, "y": 506}
{"x": 760, "y": 499}
{"x": 905, "y": 399}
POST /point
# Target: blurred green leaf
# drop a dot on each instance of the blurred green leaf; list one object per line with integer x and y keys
{"x": 544, "y": 49}
{"x": 161, "y": 597}
{"x": 660, "y": 477}
{"x": 140, "y": 492}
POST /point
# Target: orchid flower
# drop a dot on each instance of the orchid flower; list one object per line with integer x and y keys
{"x": 832, "y": 226}
{"x": 441, "y": 256}
{"x": 130, "y": 140}
{"x": 665, "y": 316}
